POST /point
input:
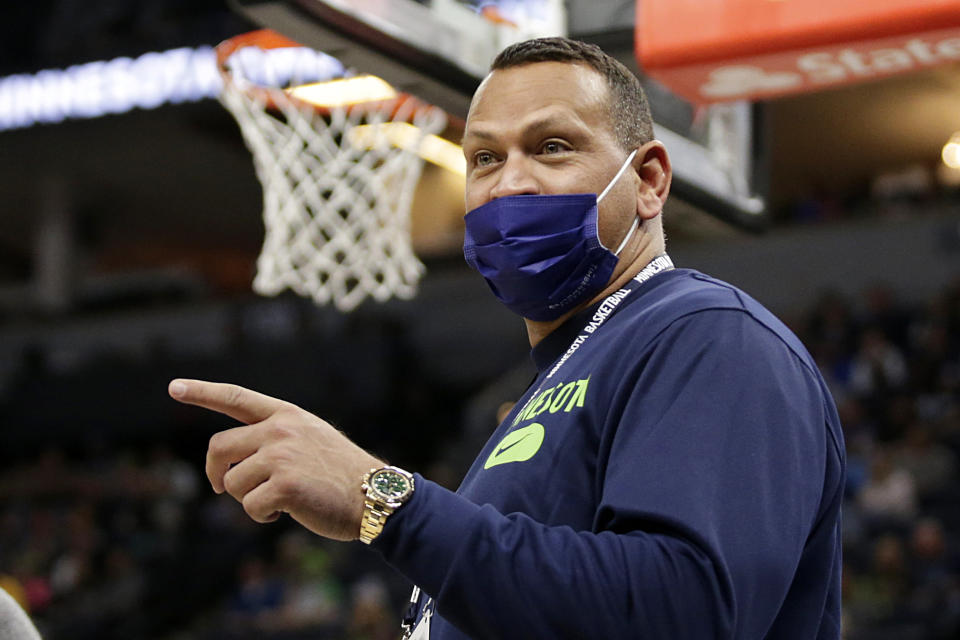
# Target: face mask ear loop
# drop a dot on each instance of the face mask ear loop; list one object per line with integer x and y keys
{"x": 626, "y": 163}
{"x": 633, "y": 228}
{"x": 636, "y": 221}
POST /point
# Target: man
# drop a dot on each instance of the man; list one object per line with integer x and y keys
{"x": 676, "y": 469}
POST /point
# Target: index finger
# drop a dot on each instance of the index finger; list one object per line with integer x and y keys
{"x": 229, "y": 399}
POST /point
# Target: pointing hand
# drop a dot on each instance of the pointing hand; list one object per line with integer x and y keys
{"x": 284, "y": 459}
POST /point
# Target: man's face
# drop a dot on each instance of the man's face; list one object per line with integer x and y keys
{"x": 544, "y": 128}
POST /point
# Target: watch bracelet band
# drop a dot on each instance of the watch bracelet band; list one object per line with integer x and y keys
{"x": 374, "y": 517}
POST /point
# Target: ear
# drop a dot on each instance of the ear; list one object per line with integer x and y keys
{"x": 652, "y": 164}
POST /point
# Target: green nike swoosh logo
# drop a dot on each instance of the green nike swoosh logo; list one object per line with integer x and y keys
{"x": 517, "y": 446}
{"x": 512, "y": 444}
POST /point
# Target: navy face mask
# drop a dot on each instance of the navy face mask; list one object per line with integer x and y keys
{"x": 541, "y": 254}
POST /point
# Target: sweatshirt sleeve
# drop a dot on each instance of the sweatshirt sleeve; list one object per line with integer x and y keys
{"x": 711, "y": 486}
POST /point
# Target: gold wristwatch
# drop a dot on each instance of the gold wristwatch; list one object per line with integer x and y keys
{"x": 386, "y": 489}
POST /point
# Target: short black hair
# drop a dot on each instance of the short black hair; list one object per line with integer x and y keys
{"x": 629, "y": 112}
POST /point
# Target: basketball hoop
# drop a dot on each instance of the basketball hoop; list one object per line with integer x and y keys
{"x": 337, "y": 184}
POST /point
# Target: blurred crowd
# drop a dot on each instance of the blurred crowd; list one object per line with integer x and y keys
{"x": 124, "y": 544}
{"x": 105, "y": 542}
{"x": 894, "y": 370}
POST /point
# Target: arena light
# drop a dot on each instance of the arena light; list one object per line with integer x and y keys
{"x": 951, "y": 152}
{"x": 344, "y": 91}
{"x": 404, "y": 135}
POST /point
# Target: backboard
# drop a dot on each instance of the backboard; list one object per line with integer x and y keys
{"x": 437, "y": 50}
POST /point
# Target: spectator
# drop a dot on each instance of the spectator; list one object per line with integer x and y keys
{"x": 312, "y": 596}
{"x": 878, "y": 366}
{"x": 890, "y": 495}
{"x": 935, "y": 595}
{"x": 368, "y": 618}
{"x": 257, "y": 599}
{"x": 932, "y": 466}
{"x": 877, "y": 595}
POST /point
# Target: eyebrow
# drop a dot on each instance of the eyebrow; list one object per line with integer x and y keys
{"x": 540, "y": 124}
{"x": 483, "y": 135}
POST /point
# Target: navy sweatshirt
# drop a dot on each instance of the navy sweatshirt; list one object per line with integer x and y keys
{"x": 678, "y": 476}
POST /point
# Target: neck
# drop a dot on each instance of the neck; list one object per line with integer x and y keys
{"x": 649, "y": 247}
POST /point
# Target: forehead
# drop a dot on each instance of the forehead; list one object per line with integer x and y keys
{"x": 509, "y": 97}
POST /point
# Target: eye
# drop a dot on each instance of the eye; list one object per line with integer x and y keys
{"x": 554, "y": 146}
{"x": 483, "y": 159}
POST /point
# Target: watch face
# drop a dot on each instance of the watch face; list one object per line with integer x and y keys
{"x": 390, "y": 484}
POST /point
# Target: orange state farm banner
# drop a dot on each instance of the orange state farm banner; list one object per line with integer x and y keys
{"x": 721, "y": 50}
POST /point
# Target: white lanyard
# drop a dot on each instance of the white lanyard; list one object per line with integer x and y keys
{"x": 604, "y": 311}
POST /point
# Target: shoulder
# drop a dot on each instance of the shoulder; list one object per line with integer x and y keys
{"x": 704, "y": 308}
{"x": 693, "y": 329}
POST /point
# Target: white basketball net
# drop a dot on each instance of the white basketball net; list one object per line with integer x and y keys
{"x": 337, "y": 193}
